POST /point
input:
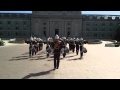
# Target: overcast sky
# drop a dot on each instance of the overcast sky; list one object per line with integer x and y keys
{"x": 83, "y": 12}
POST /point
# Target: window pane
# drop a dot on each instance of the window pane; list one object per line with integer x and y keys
{"x": 1, "y": 22}
{"x": 9, "y": 22}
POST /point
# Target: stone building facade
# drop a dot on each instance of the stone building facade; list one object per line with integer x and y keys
{"x": 50, "y": 23}
{"x": 99, "y": 26}
{"x": 15, "y": 25}
{"x": 64, "y": 23}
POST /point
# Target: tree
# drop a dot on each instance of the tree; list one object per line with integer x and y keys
{"x": 117, "y": 36}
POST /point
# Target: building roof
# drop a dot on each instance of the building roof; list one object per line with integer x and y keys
{"x": 15, "y": 15}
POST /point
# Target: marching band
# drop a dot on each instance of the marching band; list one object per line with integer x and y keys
{"x": 66, "y": 45}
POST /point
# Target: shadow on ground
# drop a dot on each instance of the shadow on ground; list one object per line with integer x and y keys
{"x": 75, "y": 59}
{"x": 37, "y": 58}
{"x": 25, "y": 53}
{"x": 53, "y": 59}
{"x": 19, "y": 58}
{"x": 70, "y": 56}
{"x": 26, "y": 56}
{"x": 37, "y": 74}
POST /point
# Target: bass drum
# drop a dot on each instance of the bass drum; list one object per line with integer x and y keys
{"x": 84, "y": 50}
{"x": 66, "y": 49}
{"x": 48, "y": 50}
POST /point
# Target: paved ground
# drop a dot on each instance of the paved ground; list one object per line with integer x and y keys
{"x": 99, "y": 63}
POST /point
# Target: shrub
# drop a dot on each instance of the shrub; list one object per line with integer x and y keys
{"x": 17, "y": 41}
{"x": 96, "y": 41}
{"x": 112, "y": 45}
{"x": 1, "y": 43}
{"x": 117, "y": 45}
{"x": 11, "y": 41}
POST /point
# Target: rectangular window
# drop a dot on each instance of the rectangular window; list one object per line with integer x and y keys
{"x": 44, "y": 23}
{"x": 1, "y": 33}
{"x": 68, "y": 28}
{"x": 44, "y": 28}
{"x": 24, "y": 28}
{"x": 68, "y": 23}
{"x": 9, "y": 22}
{"x": 103, "y": 24}
{"x": 110, "y": 29}
{"x": 95, "y": 23}
{"x": 44, "y": 33}
{"x": 103, "y": 29}
{"x": 103, "y": 35}
{"x": 25, "y": 15}
{"x": 95, "y": 29}
{"x": 10, "y": 15}
{"x": 95, "y": 35}
{"x": 110, "y": 35}
{"x": 16, "y": 33}
{"x": 88, "y": 24}
{"x": 17, "y": 15}
{"x": 87, "y": 29}
{"x": 8, "y": 33}
{"x": 87, "y": 35}
{"x": 1, "y": 22}
{"x": 24, "y": 33}
{"x": 111, "y": 24}
{"x": 0, "y": 28}
{"x": 25, "y": 22}
{"x": 17, "y": 28}
{"x": 16, "y": 22}
{"x": 9, "y": 28}
{"x": 118, "y": 24}
{"x": 68, "y": 34}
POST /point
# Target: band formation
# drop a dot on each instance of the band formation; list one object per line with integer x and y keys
{"x": 57, "y": 46}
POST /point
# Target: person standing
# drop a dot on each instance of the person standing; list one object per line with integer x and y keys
{"x": 57, "y": 49}
{"x": 77, "y": 46}
{"x": 63, "y": 48}
{"x": 81, "y": 48}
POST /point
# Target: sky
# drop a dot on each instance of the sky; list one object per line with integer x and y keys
{"x": 83, "y": 12}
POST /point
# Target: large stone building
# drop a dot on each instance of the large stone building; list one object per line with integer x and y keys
{"x": 50, "y": 23}
{"x": 64, "y": 23}
{"x": 15, "y": 25}
{"x": 99, "y": 26}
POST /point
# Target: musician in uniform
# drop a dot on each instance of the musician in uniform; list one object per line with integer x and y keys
{"x": 40, "y": 41}
{"x": 57, "y": 49}
{"x": 63, "y": 48}
{"x": 77, "y": 46}
{"x": 73, "y": 45}
{"x": 81, "y": 48}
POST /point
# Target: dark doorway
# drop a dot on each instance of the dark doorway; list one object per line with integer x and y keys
{"x": 56, "y": 31}
{"x": 68, "y": 34}
{"x": 44, "y": 32}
